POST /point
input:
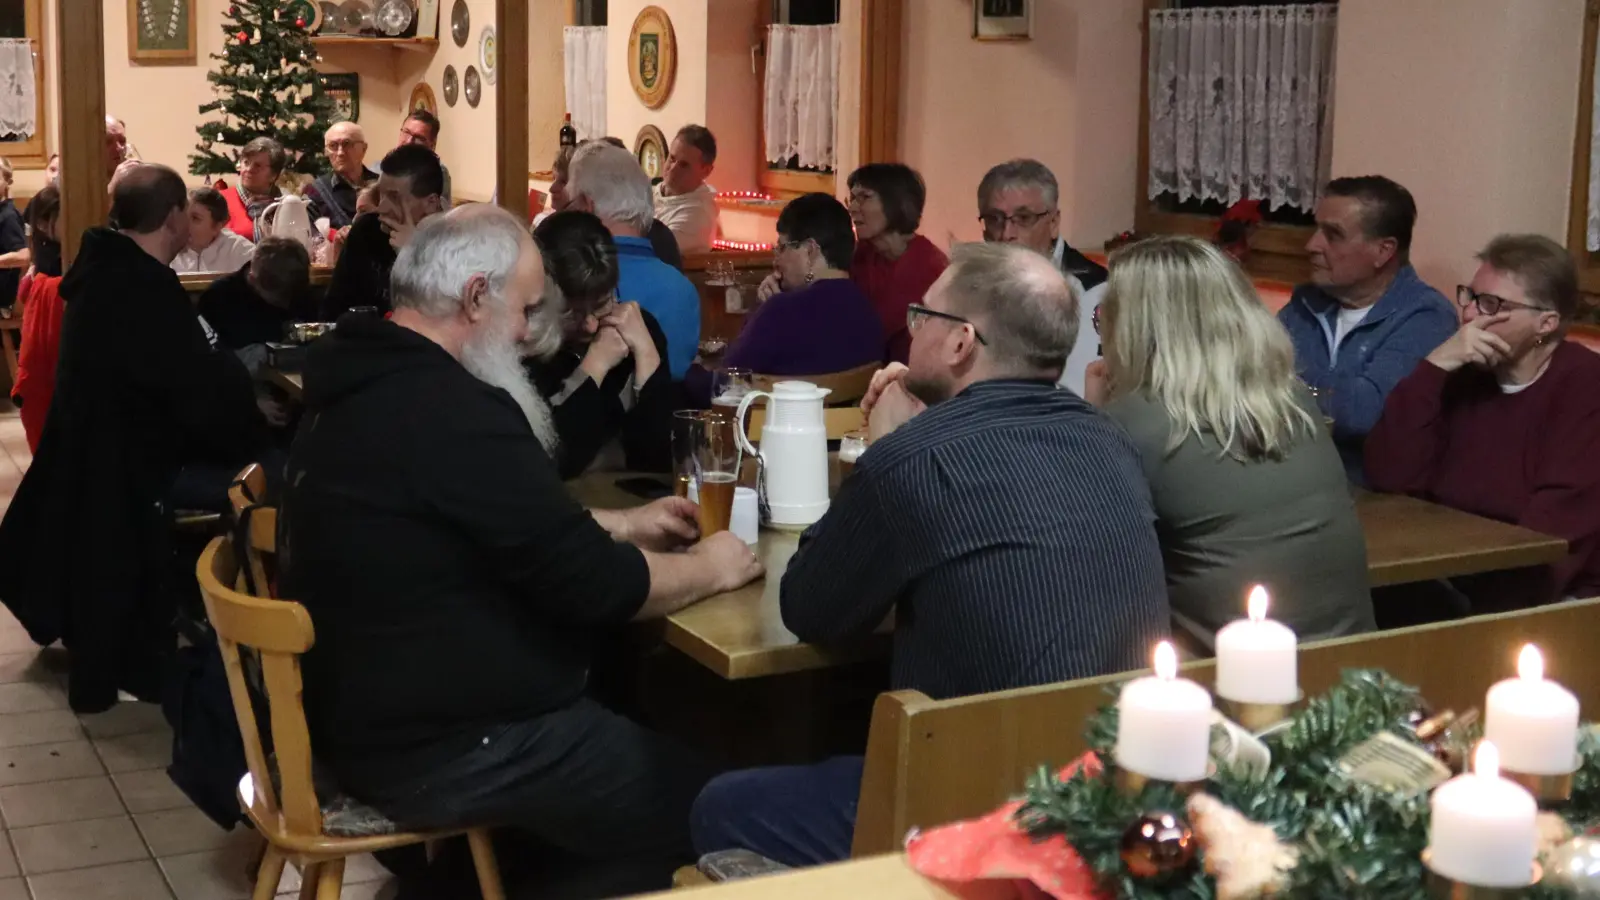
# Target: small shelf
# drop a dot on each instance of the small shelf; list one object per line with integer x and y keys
{"x": 417, "y": 45}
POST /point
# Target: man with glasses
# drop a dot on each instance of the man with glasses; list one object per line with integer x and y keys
{"x": 422, "y": 127}
{"x": 1366, "y": 319}
{"x": 1018, "y": 204}
{"x": 334, "y": 195}
{"x": 1006, "y": 525}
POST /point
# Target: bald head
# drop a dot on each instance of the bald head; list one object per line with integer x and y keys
{"x": 149, "y": 205}
{"x": 346, "y": 145}
{"x": 116, "y": 145}
{"x": 1025, "y": 308}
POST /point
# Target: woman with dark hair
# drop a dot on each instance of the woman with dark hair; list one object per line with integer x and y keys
{"x": 813, "y": 318}
{"x": 893, "y": 264}
{"x": 42, "y": 309}
{"x": 610, "y": 392}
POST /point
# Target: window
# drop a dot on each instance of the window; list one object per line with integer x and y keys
{"x": 1208, "y": 140}
{"x": 589, "y": 12}
{"x": 795, "y": 175}
{"x": 23, "y": 129}
{"x": 1583, "y": 222}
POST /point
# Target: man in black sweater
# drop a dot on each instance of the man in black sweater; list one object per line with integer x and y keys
{"x": 457, "y": 587}
{"x": 410, "y": 189}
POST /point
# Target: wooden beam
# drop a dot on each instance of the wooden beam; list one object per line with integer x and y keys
{"x": 80, "y": 30}
{"x": 882, "y": 40}
{"x": 511, "y": 106}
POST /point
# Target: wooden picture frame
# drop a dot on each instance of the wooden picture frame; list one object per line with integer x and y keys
{"x": 650, "y": 149}
{"x": 161, "y": 31}
{"x": 652, "y": 57}
{"x": 344, "y": 89}
{"x": 1002, "y": 20}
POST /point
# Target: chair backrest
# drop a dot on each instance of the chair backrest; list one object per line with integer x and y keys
{"x": 933, "y": 762}
{"x": 838, "y": 421}
{"x": 844, "y": 388}
{"x": 278, "y": 631}
{"x": 255, "y": 529}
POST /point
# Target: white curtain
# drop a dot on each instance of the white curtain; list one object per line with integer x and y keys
{"x": 1241, "y": 103}
{"x": 19, "y": 102}
{"x": 585, "y": 58}
{"x": 1593, "y": 241}
{"x": 802, "y": 93}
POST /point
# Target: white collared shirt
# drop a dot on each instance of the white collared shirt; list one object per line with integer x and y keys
{"x": 692, "y": 217}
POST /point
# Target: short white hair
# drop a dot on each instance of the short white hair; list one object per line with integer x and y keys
{"x": 616, "y": 186}
{"x": 446, "y": 251}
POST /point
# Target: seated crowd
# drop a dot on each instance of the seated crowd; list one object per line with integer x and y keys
{"x": 1066, "y": 462}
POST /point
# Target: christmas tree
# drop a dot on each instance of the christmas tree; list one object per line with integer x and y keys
{"x": 266, "y": 88}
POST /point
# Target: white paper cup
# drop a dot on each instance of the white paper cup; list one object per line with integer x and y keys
{"x": 746, "y": 519}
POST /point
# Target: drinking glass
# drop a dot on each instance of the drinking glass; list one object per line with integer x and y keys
{"x": 851, "y": 446}
{"x": 716, "y": 471}
{"x": 687, "y": 426}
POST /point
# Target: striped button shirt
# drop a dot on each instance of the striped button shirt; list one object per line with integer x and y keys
{"x": 1010, "y": 530}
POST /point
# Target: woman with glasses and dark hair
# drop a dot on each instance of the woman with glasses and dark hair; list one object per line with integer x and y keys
{"x": 1502, "y": 420}
{"x": 813, "y": 319}
{"x": 610, "y": 393}
{"x": 893, "y": 264}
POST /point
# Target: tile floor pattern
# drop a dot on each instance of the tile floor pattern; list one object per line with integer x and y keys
{"x": 87, "y": 810}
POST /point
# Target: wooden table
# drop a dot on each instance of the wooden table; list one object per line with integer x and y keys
{"x": 291, "y": 382}
{"x": 1411, "y": 540}
{"x": 879, "y": 877}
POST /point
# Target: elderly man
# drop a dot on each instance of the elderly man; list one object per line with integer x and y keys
{"x": 458, "y": 589}
{"x": 147, "y": 408}
{"x": 334, "y": 195}
{"x": 409, "y": 188}
{"x": 422, "y": 127}
{"x": 1366, "y": 319}
{"x": 1038, "y": 564}
{"x": 608, "y": 182}
{"x": 683, "y": 200}
{"x": 120, "y": 156}
{"x": 1018, "y": 204}
{"x": 261, "y": 164}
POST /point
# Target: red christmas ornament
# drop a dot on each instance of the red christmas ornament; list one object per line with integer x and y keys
{"x": 300, "y": 22}
{"x": 243, "y": 37}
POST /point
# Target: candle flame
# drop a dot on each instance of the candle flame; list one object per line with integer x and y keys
{"x": 1256, "y": 606}
{"x": 1166, "y": 661}
{"x": 1486, "y": 762}
{"x": 1530, "y": 663}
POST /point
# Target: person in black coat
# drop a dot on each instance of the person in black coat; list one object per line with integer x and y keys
{"x": 609, "y": 388}
{"x": 253, "y": 305}
{"x": 144, "y": 392}
{"x": 410, "y": 189}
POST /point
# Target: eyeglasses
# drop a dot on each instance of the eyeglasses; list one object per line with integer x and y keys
{"x": 783, "y": 245}
{"x": 916, "y": 310}
{"x": 342, "y": 145}
{"x": 994, "y": 221}
{"x": 1489, "y": 304}
{"x": 1096, "y": 319}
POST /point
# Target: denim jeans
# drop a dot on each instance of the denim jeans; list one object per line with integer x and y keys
{"x": 795, "y": 815}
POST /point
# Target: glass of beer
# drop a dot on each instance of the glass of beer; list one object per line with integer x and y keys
{"x": 851, "y": 446}
{"x": 716, "y": 472}
{"x": 687, "y": 426}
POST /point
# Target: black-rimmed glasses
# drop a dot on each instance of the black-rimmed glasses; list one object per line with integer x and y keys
{"x": 1490, "y": 304}
{"x": 917, "y": 309}
{"x": 994, "y": 221}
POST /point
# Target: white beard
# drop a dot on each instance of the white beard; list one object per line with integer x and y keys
{"x": 494, "y": 359}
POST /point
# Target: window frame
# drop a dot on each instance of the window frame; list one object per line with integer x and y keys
{"x": 1578, "y": 215}
{"x": 33, "y": 153}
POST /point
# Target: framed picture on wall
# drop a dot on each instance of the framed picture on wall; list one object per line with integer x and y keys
{"x": 1002, "y": 20}
{"x": 344, "y": 89}
{"x": 161, "y": 31}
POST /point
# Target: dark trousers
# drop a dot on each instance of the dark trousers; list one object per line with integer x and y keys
{"x": 593, "y": 805}
{"x": 795, "y": 815}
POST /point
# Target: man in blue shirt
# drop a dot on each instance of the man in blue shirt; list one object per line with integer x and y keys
{"x": 608, "y": 182}
{"x": 1366, "y": 319}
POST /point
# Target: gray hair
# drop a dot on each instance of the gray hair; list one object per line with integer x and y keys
{"x": 1020, "y": 173}
{"x": 617, "y": 188}
{"x": 446, "y": 251}
{"x": 1023, "y": 305}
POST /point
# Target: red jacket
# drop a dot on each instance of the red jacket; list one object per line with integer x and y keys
{"x": 894, "y": 284}
{"x": 36, "y": 362}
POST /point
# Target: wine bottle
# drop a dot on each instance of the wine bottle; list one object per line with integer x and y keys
{"x": 569, "y": 135}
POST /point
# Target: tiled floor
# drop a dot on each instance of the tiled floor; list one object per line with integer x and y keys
{"x": 87, "y": 809}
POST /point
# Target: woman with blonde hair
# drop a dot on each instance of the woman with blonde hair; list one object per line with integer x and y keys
{"x": 1247, "y": 484}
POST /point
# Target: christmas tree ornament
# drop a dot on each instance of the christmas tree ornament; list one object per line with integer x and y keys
{"x": 1158, "y": 845}
{"x": 1246, "y": 858}
{"x": 1575, "y": 866}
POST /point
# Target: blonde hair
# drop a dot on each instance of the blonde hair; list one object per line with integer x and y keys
{"x": 1187, "y": 329}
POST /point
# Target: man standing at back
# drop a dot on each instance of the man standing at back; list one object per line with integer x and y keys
{"x": 1366, "y": 319}
{"x": 1003, "y": 521}
{"x": 683, "y": 200}
{"x": 608, "y": 182}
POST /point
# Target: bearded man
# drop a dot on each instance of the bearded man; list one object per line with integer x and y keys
{"x": 457, "y": 588}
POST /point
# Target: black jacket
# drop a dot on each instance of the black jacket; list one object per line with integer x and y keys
{"x": 361, "y": 276}
{"x": 142, "y": 389}
{"x": 242, "y": 317}
{"x": 1089, "y": 273}
{"x": 452, "y": 579}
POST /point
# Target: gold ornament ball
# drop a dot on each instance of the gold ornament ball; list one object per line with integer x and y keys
{"x": 1157, "y": 845}
{"x": 1575, "y": 866}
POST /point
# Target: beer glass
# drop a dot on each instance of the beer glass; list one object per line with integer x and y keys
{"x": 716, "y": 471}
{"x": 687, "y": 425}
{"x": 851, "y": 446}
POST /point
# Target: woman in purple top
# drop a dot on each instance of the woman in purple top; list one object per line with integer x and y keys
{"x": 813, "y": 319}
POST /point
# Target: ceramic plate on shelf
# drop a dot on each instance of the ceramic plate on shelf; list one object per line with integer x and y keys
{"x": 452, "y": 86}
{"x": 330, "y": 17}
{"x": 394, "y": 17}
{"x": 472, "y": 87}
{"x": 486, "y": 53}
{"x": 355, "y": 16}
{"x": 460, "y": 23}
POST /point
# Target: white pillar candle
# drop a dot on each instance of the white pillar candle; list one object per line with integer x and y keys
{"x": 1484, "y": 828}
{"x": 1256, "y": 657}
{"x": 1164, "y": 723}
{"x": 1533, "y": 722}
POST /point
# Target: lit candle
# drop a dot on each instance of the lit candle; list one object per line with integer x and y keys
{"x": 1256, "y": 657}
{"x": 1483, "y": 831}
{"x": 1164, "y": 723}
{"x": 1533, "y": 722}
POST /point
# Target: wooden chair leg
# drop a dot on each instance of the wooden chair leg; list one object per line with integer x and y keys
{"x": 308, "y": 880}
{"x": 330, "y": 878}
{"x": 268, "y": 875}
{"x": 483, "y": 860}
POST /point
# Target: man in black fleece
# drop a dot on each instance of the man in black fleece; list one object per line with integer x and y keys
{"x": 457, "y": 587}
{"x": 410, "y": 189}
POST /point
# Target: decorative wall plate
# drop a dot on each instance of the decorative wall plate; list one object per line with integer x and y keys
{"x": 472, "y": 87}
{"x": 460, "y": 23}
{"x": 394, "y": 17}
{"x": 652, "y": 56}
{"x": 422, "y": 98}
{"x": 650, "y": 148}
{"x": 355, "y": 16}
{"x": 486, "y": 53}
{"x": 330, "y": 17}
{"x": 452, "y": 85}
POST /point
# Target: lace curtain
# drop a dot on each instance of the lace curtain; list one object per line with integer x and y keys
{"x": 19, "y": 103}
{"x": 802, "y": 93}
{"x": 585, "y": 58}
{"x": 1241, "y": 103}
{"x": 1593, "y": 240}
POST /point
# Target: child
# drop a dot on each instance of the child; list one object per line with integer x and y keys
{"x": 14, "y": 256}
{"x": 42, "y": 309}
{"x": 213, "y": 247}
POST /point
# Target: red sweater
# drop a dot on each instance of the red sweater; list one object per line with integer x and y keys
{"x": 1527, "y": 458}
{"x": 36, "y": 361}
{"x": 894, "y": 284}
{"x": 239, "y": 221}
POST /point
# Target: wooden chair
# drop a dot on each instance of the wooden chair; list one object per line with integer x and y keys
{"x": 838, "y": 421}
{"x": 845, "y": 388}
{"x": 934, "y": 762}
{"x": 255, "y": 530}
{"x": 293, "y": 821}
